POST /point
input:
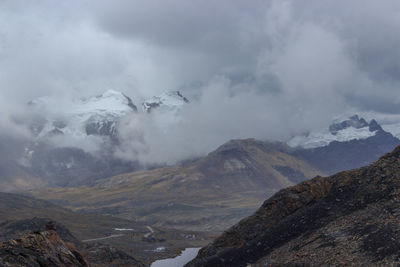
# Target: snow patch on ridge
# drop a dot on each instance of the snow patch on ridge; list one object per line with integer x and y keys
{"x": 100, "y": 115}
{"x": 353, "y": 128}
{"x": 166, "y": 102}
{"x": 97, "y": 115}
{"x": 319, "y": 139}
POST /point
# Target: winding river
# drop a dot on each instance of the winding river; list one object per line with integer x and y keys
{"x": 187, "y": 255}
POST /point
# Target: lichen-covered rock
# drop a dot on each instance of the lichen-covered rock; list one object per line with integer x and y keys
{"x": 351, "y": 218}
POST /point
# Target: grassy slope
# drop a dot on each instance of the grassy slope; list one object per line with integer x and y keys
{"x": 208, "y": 194}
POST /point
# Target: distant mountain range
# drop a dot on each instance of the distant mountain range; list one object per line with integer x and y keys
{"x": 214, "y": 191}
{"x": 49, "y": 160}
{"x": 208, "y": 193}
{"x": 244, "y": 171}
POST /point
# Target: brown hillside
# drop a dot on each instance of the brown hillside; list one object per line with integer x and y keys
{"x": 208, "y": 194}
{"x": 351, "y": 218}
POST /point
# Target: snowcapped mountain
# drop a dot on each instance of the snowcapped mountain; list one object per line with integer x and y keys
{"x": 344, "y": 145}
{"x": 167, "y": 102}
{"x": 354, "y": 128}
{"x": 97, "y": 115}
{"x": 75, "y": 139}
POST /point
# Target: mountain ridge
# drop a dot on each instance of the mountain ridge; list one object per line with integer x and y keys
{"x": 222, "y": 187}
{"x": 345, "y": 218}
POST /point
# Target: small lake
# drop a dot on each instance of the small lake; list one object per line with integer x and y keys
{"x": 187, "y": 255}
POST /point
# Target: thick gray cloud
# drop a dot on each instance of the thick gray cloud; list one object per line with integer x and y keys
{"x": 229, "y": 37}
{"x": 264, "y": 68}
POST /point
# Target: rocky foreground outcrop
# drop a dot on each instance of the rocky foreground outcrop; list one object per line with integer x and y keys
{"x": 40, "y": 249}
{"x": 351, "y": 218}
{"x": 42, "y": 242}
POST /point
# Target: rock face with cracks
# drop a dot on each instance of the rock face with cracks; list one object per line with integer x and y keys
{"x": 350, "y": 218}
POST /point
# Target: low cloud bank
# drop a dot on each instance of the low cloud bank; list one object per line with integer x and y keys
{"x": 265, "y": 69}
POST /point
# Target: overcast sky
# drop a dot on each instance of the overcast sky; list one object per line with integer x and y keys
{"x": 276, "y": 66}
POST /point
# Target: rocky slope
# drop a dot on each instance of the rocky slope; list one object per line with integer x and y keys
{"x": 350, "y": 218}
{"x": 210, "y": 193}
{"x": 40, "y": 249}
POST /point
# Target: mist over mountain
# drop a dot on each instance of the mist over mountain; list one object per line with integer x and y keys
{"x": 76, "y": 141}
{"x": 188, "y": 114}
{"x": 266, "y": 69}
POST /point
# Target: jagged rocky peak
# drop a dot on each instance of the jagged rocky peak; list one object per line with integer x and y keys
{"x": 353, "y": 128}
{"x": 353, "y": 121}
{"x": 171, "y": 101}
{"x": 374, "y": 126}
